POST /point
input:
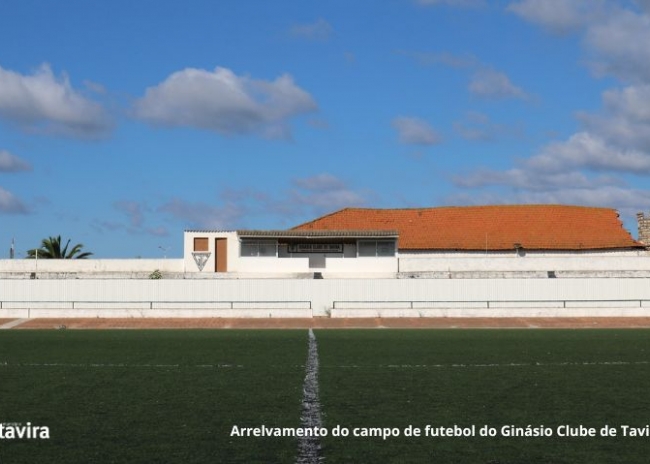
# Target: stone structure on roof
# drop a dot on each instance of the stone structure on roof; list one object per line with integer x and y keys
{"x": 644, "y": 228}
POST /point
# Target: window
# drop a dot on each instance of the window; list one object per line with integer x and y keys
{"x": 201, "y": 244}
{"x": 367, "y": 248}
{"x": 259, "y": 248}
{"x": 376, "y": 248}
{"x": 385, "y": 248}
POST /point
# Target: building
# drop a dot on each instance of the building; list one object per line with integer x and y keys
{"x": 401, "y": 242}
{"x": 474, "y": 261}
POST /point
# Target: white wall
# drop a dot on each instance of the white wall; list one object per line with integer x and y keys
{"x": 361, "y": 265}
{"x": 524, "y": 263}
{"x": 297, "y": 297}
{"x": 188, "y": 248}
{"x": 268, "y": 264}
{"x": 89, "y": 265}
{"x": 241, "y": 266}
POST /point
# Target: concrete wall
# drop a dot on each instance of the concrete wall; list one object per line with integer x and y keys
{"x": 89, "y": 266}
{"x": 407, "y": 265}
{"x": 515, "y": 263}
{"x": 337, "y": 297}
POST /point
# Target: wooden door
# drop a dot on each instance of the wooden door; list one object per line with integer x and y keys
{"x": 221, "y": 255}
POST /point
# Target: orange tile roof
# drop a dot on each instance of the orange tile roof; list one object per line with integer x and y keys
{"x": 497, "y": 227}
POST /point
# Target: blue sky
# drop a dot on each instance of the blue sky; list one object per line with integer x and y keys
{"x": 123, "y": 123}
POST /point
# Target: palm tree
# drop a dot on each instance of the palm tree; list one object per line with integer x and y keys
{"x": 51, "y": 249}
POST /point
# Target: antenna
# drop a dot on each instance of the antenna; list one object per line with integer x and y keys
{"x": 165, "y": 250}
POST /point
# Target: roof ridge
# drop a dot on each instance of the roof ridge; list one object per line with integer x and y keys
{"x": 304, "y": 224}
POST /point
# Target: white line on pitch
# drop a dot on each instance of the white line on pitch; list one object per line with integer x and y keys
{"x": 14, "y": 323}
{"x": 113, "y": 365}
{"x": 457, "y": 365}
{"x": 309, "y": 445}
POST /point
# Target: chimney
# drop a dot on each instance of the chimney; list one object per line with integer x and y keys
{"x": 644, "y": 229}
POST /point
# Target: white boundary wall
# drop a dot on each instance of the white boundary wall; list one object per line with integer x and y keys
{"x": 513, "y": 263}
{"x": 530, "y": 297}
{"x": 601, "y": 265}
{"x": 90, "y": 266}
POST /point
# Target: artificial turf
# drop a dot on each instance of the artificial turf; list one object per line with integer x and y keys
{"x": 173, "y": 396}
{"x": 150, "y": 396}
{"x": 398, "y": 378}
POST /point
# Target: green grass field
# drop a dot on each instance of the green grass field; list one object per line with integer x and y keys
{"x": 173, "y": 396}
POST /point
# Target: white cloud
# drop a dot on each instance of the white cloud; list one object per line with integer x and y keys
{"x": 323, "y": 192}
{"x": 562, "y": 164}
{"x": 595, "y": 165}
{"x": 627, "y": 201}
{"x": 619, "y": 44}
{"x": 624, "y": 120}
{"x": 9, "y": 203}
{"x": 11, "y": 163}
{"x": 488, "y": 83}
{"x": 133, "y": 210}
{"x": 585, "y": 150}
{"x": 644, "y": 5}
{"x": 234, "y": 209}
{"x": 559, "y": 15}
{"x": 319, "y": 30}
{"x": 136, "y": 220}
{"x": 223, "y": 102}
{"x": 524, "y": 178}
{"x": 616, "y": 36}
{"x": 204, "y": 215}
{"x": 320, "y": 182}
{"x": 415, "y": 131}
{"x": 632, "y": 102}
{"x": 42, "y": 102}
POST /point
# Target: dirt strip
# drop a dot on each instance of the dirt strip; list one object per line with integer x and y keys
{"x": 330, "y": 323}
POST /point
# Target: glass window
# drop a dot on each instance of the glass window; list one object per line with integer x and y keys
{"x": 376, "y": 247}
{"x": 259, "y": 248}
{"x": 268, "y": 248}
{"x": 386, "y": 248}
{"x": 367, "y": 248}
{"x": 249, "y": 248}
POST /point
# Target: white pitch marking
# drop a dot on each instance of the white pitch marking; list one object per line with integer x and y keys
{"x": 497, "y": 365}
{"x": 309, "y": 446}
{"x": 14, "y": 323}
{"x": 113, "y": 365}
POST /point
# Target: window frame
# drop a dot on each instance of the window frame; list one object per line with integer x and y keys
{"x": 256, "y": 247}
{"x": 377, "y": 245}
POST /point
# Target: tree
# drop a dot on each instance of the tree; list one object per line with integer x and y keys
{"x": 51, "y": 249}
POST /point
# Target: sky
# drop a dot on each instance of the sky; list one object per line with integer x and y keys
{"x": 124, "y": 123}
